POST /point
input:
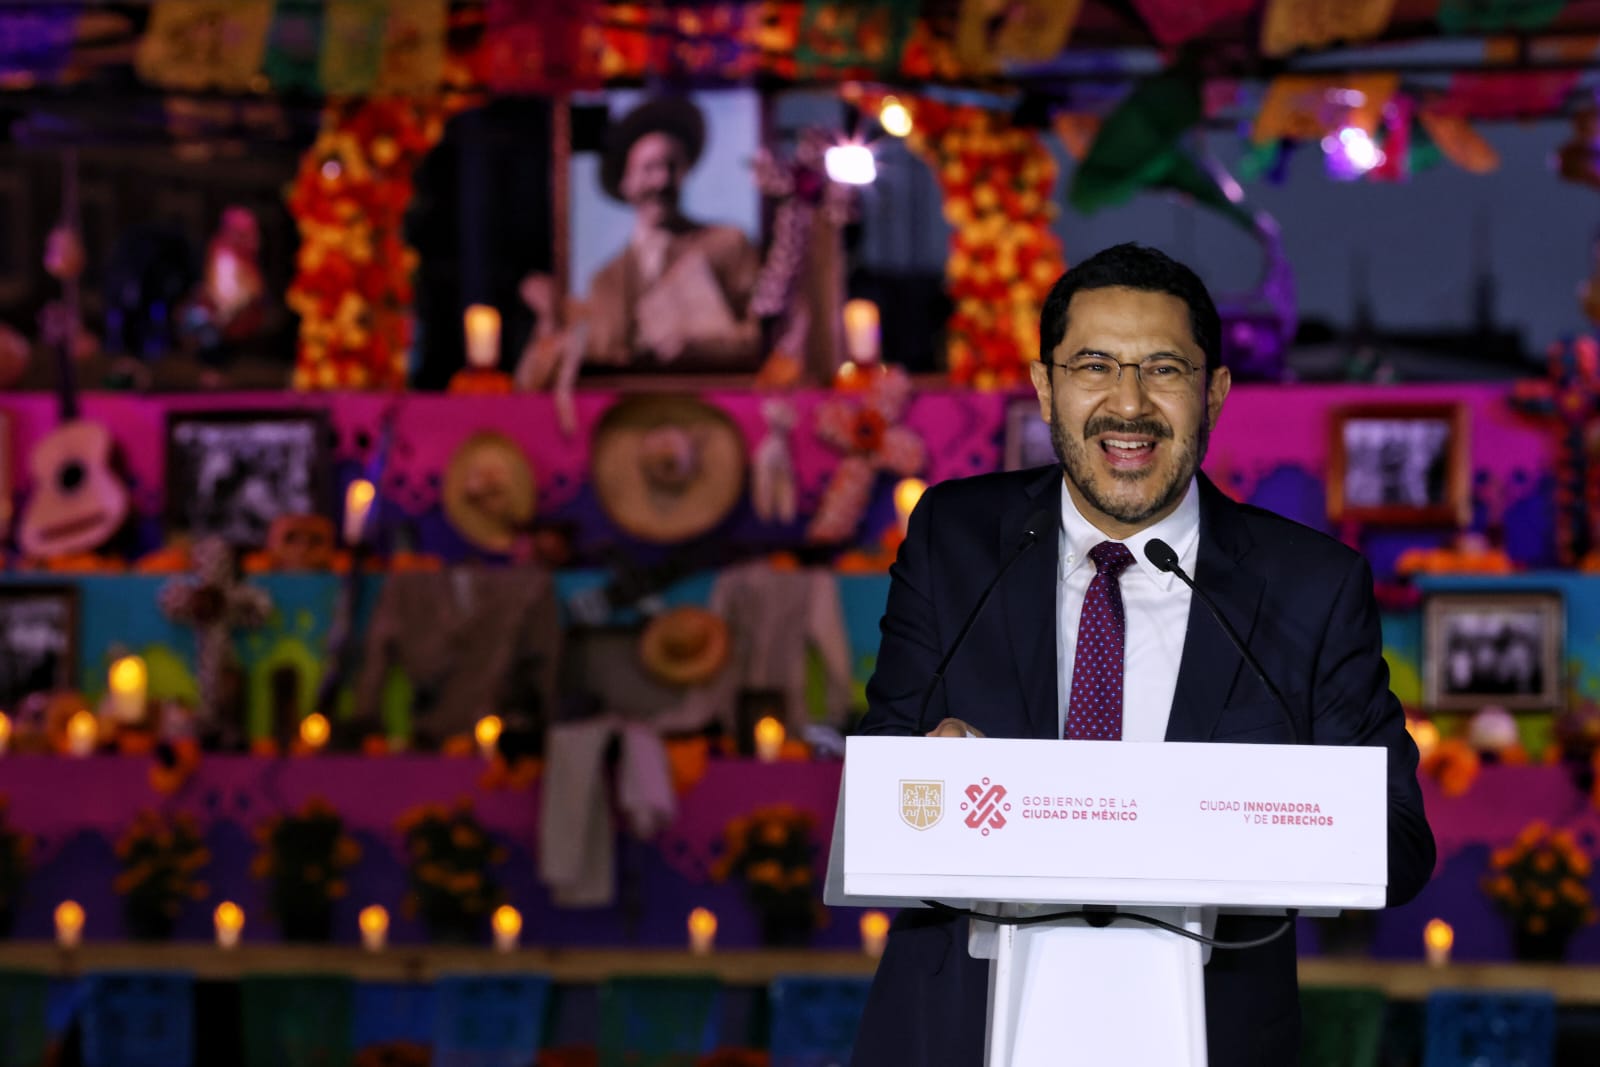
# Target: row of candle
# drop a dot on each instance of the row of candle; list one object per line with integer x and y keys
{"x": 228, "y": 920}
{"x": 128, "y": 680}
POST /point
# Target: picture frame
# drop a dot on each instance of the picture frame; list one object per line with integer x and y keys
{"x": 232, "y": 472}
{"x": 1027, "y": 436}
{"x": 38, "y": 640}
{"x": 1400, "y": 465}
{"x": 1502, "y": 648}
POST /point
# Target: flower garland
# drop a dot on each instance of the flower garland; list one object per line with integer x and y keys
{"x": 352, "y": 285}
{"x": 865, "y": 428}
{"x": 998, "y": 182}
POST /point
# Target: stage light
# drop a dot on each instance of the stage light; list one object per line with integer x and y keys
{"x": 1350, "y": 153}
{"x": 851, "y": 164}
{"x": 895, "y": 117}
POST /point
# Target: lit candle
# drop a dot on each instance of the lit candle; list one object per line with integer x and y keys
{"x": 507, "y": 922}
{"x": 357, "y": 504}
{"x": 129, "y": 681}
{"x": 314, "y": 730}
{"x": 702, "y": 931}
{"x": 374, "y": 920}
{"x": 769, "y": 739}
{"x": 229, "y": 921}
{"x": 874, "y": 933}
{"x": 483, "y": 336}
{"x": 861, "y": 331}
{"x": 1437, "y": 937}
{"x": 83, "y": 733}
{"x": 907, "y": 492}
{"x": 5, "y": 732}
{"x": 69, "y": 924}
{"x": 487, "y": 733}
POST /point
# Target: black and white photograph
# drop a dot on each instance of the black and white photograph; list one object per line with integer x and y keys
{"x": 38, "y": 641}
{"x": 1494, "y": 649}
{"x": 1027, "y": 441}
{"x": 232, "y": 473}
{"x": 1399, "y": 465}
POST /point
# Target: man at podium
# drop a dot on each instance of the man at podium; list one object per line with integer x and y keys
{"x": 1090, "y": 634}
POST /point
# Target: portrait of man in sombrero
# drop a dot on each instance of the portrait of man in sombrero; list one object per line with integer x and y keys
{"x": 677, "y": 294}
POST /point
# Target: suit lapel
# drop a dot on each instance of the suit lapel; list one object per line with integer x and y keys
{"x": 1210, "y": 664}
{"x": 1028, "y": 596}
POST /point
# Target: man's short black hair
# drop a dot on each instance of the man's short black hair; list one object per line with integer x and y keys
{"x": 1134, "y": 266}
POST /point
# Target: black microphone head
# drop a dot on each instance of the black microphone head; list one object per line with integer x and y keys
{"x": 1036, "y": 525}
{"x": 1161, "y": 554}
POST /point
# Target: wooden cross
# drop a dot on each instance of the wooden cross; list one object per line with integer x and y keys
{"x": 215, "y": 603}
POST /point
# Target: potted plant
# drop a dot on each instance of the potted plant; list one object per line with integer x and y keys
{"x": 304, "y": 857}
{"x": 15, "y": 847}
{"x": 1539, "y": 882}
{"x": 449, "y": 855}
{"x": 772, "y": 849}
{"x": 160, "y": 857}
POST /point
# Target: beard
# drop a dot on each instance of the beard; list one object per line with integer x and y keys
{"x": 1073, "y": 454}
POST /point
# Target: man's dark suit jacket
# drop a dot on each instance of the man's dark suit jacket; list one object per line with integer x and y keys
{"x": 1303, "y": 603}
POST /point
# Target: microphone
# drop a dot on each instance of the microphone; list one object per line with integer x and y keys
{"x": 1165, "y": 559}
{"x": 1035, "y": 524}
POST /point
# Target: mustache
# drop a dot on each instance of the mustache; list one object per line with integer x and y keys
{"x": 1105, "y": 424}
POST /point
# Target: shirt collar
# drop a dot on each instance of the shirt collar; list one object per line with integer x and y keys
{"x": 1181, "y": 530}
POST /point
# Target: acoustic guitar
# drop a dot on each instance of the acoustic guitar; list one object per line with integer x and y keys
{"x": 78, "y": 501}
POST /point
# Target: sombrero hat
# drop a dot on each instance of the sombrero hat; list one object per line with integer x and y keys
{"x": 666, "y": 468}
{"x": 674, "y": 115}
{"x": 684, "y": 646}
{"x": 488, "y": 491}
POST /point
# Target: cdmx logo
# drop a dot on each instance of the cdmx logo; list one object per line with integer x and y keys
{"x": 985, "y": 807}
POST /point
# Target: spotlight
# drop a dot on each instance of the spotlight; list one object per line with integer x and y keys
{"x": 850, "y": 164}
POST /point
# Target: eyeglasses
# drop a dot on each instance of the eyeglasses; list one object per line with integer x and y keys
{"x": 1158, "y": 374}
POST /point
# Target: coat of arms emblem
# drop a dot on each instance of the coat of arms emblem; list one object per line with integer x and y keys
{"x": 921, "y": 803}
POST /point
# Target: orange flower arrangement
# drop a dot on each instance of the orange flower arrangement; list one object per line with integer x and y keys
{"x": 449, "y": 855}
{"x": 772, "y": 849}
{"x": 998, "y": 182}
{"x": 160, "y": 857}
{"x": 304, "y": 857}
{"x": 15, "y": 847}
{"x": 1539, "y": 882}
{"x": 1454, "y": 765}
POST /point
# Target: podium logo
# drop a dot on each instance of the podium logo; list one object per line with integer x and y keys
{"x": 986, "y": 807}
{"x": 921, "y": 803}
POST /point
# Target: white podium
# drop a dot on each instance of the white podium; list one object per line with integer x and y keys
{"x": 1173, "y": 831}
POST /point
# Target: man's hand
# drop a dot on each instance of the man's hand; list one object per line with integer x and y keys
{"x": 954, "y": 728}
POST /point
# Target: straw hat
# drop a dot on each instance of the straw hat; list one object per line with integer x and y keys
{"x": 673, "y": 115}
{"x": 667, "y": 468}
{"x": 488, "y": 492}
{"x": 684, "y": 646}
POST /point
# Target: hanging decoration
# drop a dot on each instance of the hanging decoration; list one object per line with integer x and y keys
{"x": 1497, "y": 16}
{"x": 1308, "y": 107}
{"x": 1172, "y": 22}
{"x": 412, "y": 61}
{"x": 36, "y": 43}
{"x": 352, "y": 289}
{"x": 1507, "y": 94}
{"x": 1462, "y": 145}
{"x": 865, "y": 427}
{"x": 204, "y": 44}
{"x": 541, "y": 46}
{"x": 991, "y": 36}
{"x": 1288, "y": 26}
{"x": 853, "y": 40}
{"x": 998, "y": 181}
{"x": 293, "y": 49}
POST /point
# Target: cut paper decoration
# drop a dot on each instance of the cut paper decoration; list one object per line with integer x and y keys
{"x": 204, "y": 44}
{"x": 1307, "y": 107}
{"x": 993, "y": 34}
{"x": 1289, "y": 26}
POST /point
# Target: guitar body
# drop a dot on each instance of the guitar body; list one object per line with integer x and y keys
{"x": 78, "y": 502}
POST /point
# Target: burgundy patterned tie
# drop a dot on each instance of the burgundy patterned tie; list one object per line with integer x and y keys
{"x": 1094, "y": 709}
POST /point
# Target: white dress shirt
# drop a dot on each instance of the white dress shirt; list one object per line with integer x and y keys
{"x": 1155, "y": 605}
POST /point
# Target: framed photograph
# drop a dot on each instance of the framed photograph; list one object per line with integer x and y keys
{"x": 232, "y": 473}
{"x": 1400, "y": 464}
{"x": 38, "y": 640}
{"x": 662, "y": 190}
{"x": 1027, "y": 437}
{"x": 1493, "y": 648}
